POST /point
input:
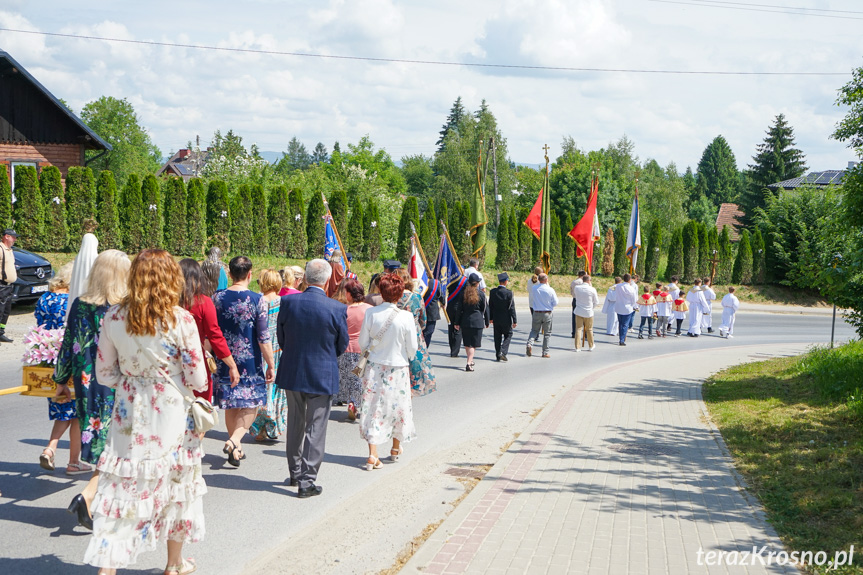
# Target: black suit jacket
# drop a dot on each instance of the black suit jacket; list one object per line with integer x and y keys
{"x": 471, "y": 315}
{"x": 501, "y": 305}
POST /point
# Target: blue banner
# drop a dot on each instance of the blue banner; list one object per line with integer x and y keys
{"x": 446, "y": 268}
{"x": 331, "y": 244}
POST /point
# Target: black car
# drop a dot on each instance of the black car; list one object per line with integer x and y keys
{"x": 33, "y": 275}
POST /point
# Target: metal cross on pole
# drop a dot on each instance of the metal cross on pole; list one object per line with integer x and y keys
{"x": 713, "y": 261}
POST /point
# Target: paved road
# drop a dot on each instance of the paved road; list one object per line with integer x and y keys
{"x": 363, "y": 520}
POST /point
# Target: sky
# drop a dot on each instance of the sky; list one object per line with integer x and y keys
{"x": 180, "y": 93}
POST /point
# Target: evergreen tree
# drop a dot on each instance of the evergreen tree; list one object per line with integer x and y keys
{"x": 526, "y": 261}
{"x": 514, "y": 240}
{"x": 152, "y": 224}
{"x": 242, "y": 235}
{"x": 717, "y": 177}
{"x": 757, "y": 257}
{"x": 54, "y": 237}
{"x": 132, "y": 215}
{"x": 339, "y": 209}
{"x": 466, "y": 245}
{"x": 219, "y": 216}
{"x": 196, "y": 218}
{"x": 296, "y": 214}
{"x": 608, "y": 249}
{"x": 640, "y": 264}
{"x": 410, "y": 214}
{"x": 280, "y": 221}
{"x": 713, "y": 243}
{"x": 260, "y": 231}
{"x": 315, "y": 227}
{"x": 703, "y": 251}
{"x": 373, "y": 231}
{"x": 742, "y": 273}
{"x": 356, "y": 229}
{"x": 654, "y": 251}
{"x": 503, "y": 243}
{"x": 109, "y": 221}
{"x": 442, "y": 215}
{"x": 429, "y": 236}
{"x": 569, "y": 262}
{"x": 28, "y": 211}
{"x": 675, "y": 255}
{"x": 690, "y": 251}
{"x": 621, "y": 263}
{"x": 726, "y": 258}
{"x": 80, "y": 202}
{"x": 456, "y": 114}
{"x": 5, "y": 198}
{"x": 319, "y": 154}
{"x": 175, "y": 216}
{"x": 555, "y": 244}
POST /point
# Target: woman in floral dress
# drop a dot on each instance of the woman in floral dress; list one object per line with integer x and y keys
{"x": 151, "y": 486}
{"x": 272, "y": 418}
{"x": 243, "y": 318}
{"x": 106, "y": 286}
{"x": 422, "y": 372}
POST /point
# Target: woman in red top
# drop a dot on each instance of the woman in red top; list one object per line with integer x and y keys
{"x": 195, "y": 299}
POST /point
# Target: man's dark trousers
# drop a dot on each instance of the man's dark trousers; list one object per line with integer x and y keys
{"x": 454, "y": 340}
{"x": 502, "y": 337}
{"x": 428, "y": 331}
{"x": 308, "y": 419}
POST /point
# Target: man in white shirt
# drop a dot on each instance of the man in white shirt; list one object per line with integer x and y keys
{"x": 544, "y": 302}
{"x": 608, "y": 308}
{"x": 473, "y": 268}
{"x": 697, "y": 305}
{"x": 730, "y": 305}
{"x": 586, "y": 299}
{"x": 624, "y": 306}
{"x": 576, "y": 282}
{"x": 709, "y": 297}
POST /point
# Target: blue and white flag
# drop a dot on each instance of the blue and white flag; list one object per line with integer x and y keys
{"x": 331, "y": 244}
{"x": 633, "y": 235}
{"x": 446, "y": 269}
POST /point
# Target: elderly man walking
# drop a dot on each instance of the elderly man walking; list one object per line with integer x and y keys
{"x": 544, "y": 302}
{"x": 312, "y": 332}
{"x": 8, "y": 275}
{"x": 586, "y": 299}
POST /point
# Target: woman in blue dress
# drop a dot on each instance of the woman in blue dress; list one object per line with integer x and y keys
{"x": 422, "y": 372}
{"x": 242, "y": 316}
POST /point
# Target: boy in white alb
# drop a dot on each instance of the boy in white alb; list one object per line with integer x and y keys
{"x": 608, "y": 308}
{"x": 674, "y": 292}
{"x": 647, "y": 309}
{"x": 697, "y": 308}
{"x": 709, "y": 297}
{"x": 664, "y": 301}
{"x": 730, "y": 305}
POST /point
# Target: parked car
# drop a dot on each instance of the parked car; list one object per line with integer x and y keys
{"x": 33, "y": 275}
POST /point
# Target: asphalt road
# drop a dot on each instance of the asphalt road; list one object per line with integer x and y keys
{"x": 362, "y": 520}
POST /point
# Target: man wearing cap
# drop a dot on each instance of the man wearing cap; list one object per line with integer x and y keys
{"x": 501, "y": 305}
{"x": 544, "y": 302}
{"x": 8, "y": 275}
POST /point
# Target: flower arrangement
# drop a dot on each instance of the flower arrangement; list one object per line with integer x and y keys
{"x": 42, "y": 346}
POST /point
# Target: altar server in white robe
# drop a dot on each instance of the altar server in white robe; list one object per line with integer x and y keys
{"x": 709, "y": 297}
{"x": 697, "y": 305}
{"x": 730, "y": 305}
{"x": 611, "y": 327}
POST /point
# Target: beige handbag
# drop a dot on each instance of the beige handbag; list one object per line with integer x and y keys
{"x": 362, "y": 364}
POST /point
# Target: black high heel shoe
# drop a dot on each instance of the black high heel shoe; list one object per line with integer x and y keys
{"x": 79, "y": 507}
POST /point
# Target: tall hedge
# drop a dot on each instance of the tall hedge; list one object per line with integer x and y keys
{"x": 757, "y": 257}
{"x": 690, "y": 251}
{"x": 28, "y": 211}
{"x": 132, "y": 221}
{"x": 80, "y": 202}
{"x": 653, "y": 252}
{"x": 5, "y": 198}
{"x": 280, "y": 221}
{"x": 428, "y": 233}
{"x": 109, "y": 220}
{"x": 742, "y": 273}
{"x": 526, "y": 262}
{"x": 242, "y": 234}
{"x": 461, "y": 235}
{"x": 442, "y": 215}
{"x": 315, "y": 226}
{"x": 621, "y": 263}
{"x": 514, "y": 240}
{"x": 153, "y": 220}
{"x": 569, "y": 263}
{"x": 675, "y": 265}
{"x": 175, "y": 216}
{"x": 260, "y": 233}
{"x": 196, "y": 218}
{"x": 606, "y": 266}
{"x": 410, "y": 214}
{"x": 504, "y": 245}
{"x": 373, "y": 231}
{"x": 339, "y": 209}
{"x": 55, "y": 234}
{"x": 704, "y": 254}
{"x": 218, "y": 216}
{"x": 296, "y": 213}
{"x": 640, "y": 265}
{"x": 356, "y": 230}
{"x": 726, "y": 258}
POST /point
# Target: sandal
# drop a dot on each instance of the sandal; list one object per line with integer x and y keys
{"x": 235, "y": 461}
{"x": 374, "y": 465}
{"x": 394, "y": 454}
{"x": 47, "y": 461}
{"x": 352, "y": 411}
{"x": 184, "y": 568}
{"x": 78, "y": 468}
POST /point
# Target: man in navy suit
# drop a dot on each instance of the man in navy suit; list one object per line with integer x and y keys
{"x": 313, "y": 333}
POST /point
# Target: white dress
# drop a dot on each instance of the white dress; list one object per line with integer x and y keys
{"x": 151, "y": 485}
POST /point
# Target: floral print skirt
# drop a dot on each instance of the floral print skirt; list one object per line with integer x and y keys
{"x": 386, "y": 411}
{"x": 94, "y": 404}
{"x": 272, "y": 418}
{"x": 250, "y": 392}
{"x": 350, "y": 385}
{"x": 422, "y": 372}
{"x": 61, "y": 411}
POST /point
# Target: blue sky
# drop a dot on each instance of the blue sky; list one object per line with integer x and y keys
{"x": 180, "y": 93}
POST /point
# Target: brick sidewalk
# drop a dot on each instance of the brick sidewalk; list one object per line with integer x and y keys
{"x": 621, "y": 474}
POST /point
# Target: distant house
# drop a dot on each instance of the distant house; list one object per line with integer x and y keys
{"x": 36, "y": 129}
{"x": 825, "y": 178}
{"x": 729, "y": 215}
{"x": 186, "y": 164}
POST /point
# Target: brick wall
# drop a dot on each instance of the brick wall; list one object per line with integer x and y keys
{"x": 61, "y": 155}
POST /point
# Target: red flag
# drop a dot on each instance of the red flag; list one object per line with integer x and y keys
{"x": 586, "y": 231}
{"x": 534, "y": 218}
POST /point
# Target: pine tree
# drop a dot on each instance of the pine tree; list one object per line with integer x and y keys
{"x": 429, "y": 236}
{"x": 296, "y": 214}
{"x": 152, "y": 224}
{"x": 372, "y": 231}
{"x": 80, "y": 202}
{"x": 718, "y": 178}
{"x": 703, "y": 251}
{"x": 109, "y": 221}
{"x": 757, "y": 257}
{"x": 456, "y": 114}
{"x": 219, "y": 216}
{"x": 132, "y": 215}
{"x": 410, "y": 214}
{"x": 654, "y": 251}
{"x": 28, "y": 210}
{"x": 690, "y": 251}
{"x": 526, "y": 261}
{"x": 242, "y": 234}
{"x": 514, "y": 240}
{"x": 196, "y": 218}
{"x": 675, "y": 255}
{"x": 260, "y": 231}
{"x": 569, "y": 263}
{"x": 315, "y": 227}
{"x": 503, "y": 243}
{"x": 280, "y": 221}
{"x": 356, "y": 229}
{"x": 742, "y": 273}
{"x": 339, "y": 209}
{"x": 54, "y": 237}
{"x": 621, "y": 263}
{"x": 175, "y": 216}
{"x": 726, "y": 258}
{"x": 608, "y": 249}
{"x": 5, "y": 198}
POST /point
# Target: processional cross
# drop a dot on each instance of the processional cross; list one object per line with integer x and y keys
{"x": 713, "y": 261}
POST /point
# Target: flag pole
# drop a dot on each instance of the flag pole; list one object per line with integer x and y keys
{"x": 345, "y": 259}
{"x": 452, "y": 247}
{"x": 419, "y": 246}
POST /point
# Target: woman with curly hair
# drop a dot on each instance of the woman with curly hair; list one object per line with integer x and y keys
{"x": 150, "y": 487}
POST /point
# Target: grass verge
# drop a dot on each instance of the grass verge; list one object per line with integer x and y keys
{"x": 794, "y": 427}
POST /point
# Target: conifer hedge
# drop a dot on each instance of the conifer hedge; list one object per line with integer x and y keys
{"x": 107, "y": 216}
{"x": 196, "y": 218}
{"x": 175, "y": 216}
{"x": 260, "y": 233}
{"x": 296, "y": 214}
{"x": 28, "y": 211}
{"x": 428, "y": 233}
{"x": 442, "y": 215}
{"x": 726, "y": 257}
{"x": 757, "y": 257}
{"x": 742, "y": 273}
{"x": 504, "y": 245}
{"x": 339, "y": 209}
{"x": 704, "y": 254}
{"x": 280, "y": 221}
{"x": 555, "y": 244}
{"x": 219, "y": 216}
{"x": 653, "y": 251}
{"x": 690, "y": 251}
{"x": 410, "y": 214}
{"x": 242, "y": 234}
{"x": 356, "y": 229}
{"x": 514, "y": 240}
{"x": 55, "y": 236}
{"x": 5, "y": 198}
{"x": 373, "y": 231}
{"x": 81, "y": 202}
{"x": 675, "y": 256}
{"x": 526, "y": 261}
{"x": 315, "y": 226}
{"x": 152, "y": 218}
{"x": 568, "y": 260}
{"x": 608, "y": 249}
{"x": 132, "y": 223}
{"x": 621, "y": 263}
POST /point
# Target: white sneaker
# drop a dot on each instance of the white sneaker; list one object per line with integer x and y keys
{"x": 729, "y": 336}
{"x": 576, "y": 350}
{"x": 593, "y": 347}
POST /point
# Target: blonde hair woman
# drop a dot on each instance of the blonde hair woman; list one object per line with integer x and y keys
{"x": 290, "y": 280}
{"x": 272, "y": 417}
{"x": 150, "y": 352}
{"x": 106, "y": 286}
